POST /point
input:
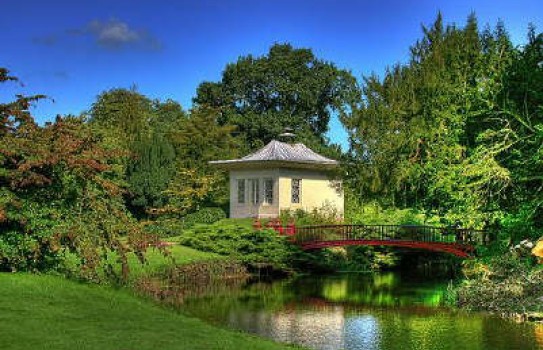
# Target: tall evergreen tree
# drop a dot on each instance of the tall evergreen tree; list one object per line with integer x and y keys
{"x": 418, "y": 131}
{"x": 150, "y": 171}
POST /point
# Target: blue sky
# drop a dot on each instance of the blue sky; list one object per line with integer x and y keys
{"x": 73, "y": 50}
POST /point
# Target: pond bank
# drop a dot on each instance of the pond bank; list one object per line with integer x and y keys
{"x": 177, "y": 282}
{"x": 505, "y": 286}
{"x": 51, "y": 312}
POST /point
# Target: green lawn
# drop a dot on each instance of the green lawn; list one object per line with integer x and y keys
{"x": 156, "y": 261}
{"x": 179, "y": 255}
{"x": 49, "y": 312}
{"x": 246, "y": 222}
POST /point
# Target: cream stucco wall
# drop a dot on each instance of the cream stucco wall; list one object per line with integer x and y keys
{"x": 317, "y": 190}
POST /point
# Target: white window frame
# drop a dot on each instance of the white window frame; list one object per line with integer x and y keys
{"x": 254, "y": 191}
{"x": 241, "y": 191}
{"x": 268, "y": 192}
{"x": 298, "y": 186}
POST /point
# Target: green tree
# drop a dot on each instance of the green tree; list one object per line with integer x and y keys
{"x": 142, "y": 127}
{"x": 198, "y": 139}
{"x": 150, "y": 171}
{"x": 417, "y": 136}
{"x": 167, "y": 116}
{"x": 516, "y": 134}
{"x": 288, "y": 87}
{"x": 122, "y": 115}
{"x": 59, "y": 191}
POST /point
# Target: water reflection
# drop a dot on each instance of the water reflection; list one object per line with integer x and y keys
{"x": 362, "y": 332}
{"x": 298, "y": 326}
{"x": 387, "y": 289}
{"x": 346, "y": 311}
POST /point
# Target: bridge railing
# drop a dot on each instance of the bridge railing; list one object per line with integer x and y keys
{"x": 347, "y": 232}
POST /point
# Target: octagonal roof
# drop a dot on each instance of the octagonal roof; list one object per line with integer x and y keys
{"x": 279, "y": 153}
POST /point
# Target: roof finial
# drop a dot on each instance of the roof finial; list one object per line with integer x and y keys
{"x": 288, "y": 135}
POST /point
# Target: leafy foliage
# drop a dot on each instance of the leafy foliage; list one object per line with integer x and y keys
{"x": 326, "y": 214}
{"x": 186, "y": 192}
{"x": 253, "y": 248}
{"x": 167, "y": 151}
{"x": 59, "y": 191}
{"x": 204, "y": 216}
{"x": 130, "y": 121}
{"x": 122, "y": 114}
{"x": 503, "y": 284}
{"x": 199, "y": 139}
{"x": 374, "y": 214}
{"x": 288, "y": 87}
{"x": 150, "y": 171}
{"x": 455, "y": 131}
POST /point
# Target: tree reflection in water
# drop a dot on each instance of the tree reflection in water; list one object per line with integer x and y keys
{"x": 353, "y": 311}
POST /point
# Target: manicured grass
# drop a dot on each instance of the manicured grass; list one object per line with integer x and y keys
{"x": 49, "y": 312}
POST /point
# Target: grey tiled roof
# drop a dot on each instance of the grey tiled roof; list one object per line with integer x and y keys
{"x": 282, "y": 152}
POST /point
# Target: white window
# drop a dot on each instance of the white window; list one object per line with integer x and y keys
{"x": 241, "y": 191}
{"x": 255, "y": 191}
{"x": 268, "y": 191}
{"x": 296, "y": 190}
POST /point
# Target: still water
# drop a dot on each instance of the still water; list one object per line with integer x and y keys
{"x": 386, "y": 311}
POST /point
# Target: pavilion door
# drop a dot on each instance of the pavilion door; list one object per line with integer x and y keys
{"x": 254, "y": 191}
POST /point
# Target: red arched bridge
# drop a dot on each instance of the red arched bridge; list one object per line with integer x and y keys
{"x": 457, "y": 241}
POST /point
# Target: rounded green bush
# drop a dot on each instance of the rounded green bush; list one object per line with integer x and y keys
{"x": 204, "y": 216}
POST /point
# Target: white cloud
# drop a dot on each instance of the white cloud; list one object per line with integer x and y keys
{"x": 114, "y": 34}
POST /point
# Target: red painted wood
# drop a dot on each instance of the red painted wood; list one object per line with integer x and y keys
{"x": 459, "y": 250}
{"x": 346, "y": 235}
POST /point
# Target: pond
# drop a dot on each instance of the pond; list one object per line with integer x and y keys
{"x": 357, "y": 311}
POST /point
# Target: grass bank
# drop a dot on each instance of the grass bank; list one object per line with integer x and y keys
{"x": 49, "y": 312}
{"x": 156, "y": 261}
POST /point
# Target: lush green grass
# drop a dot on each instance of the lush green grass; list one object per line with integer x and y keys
{"x": 48, "y": 312}
{"x": 246, "y": 222}
{"x": 155, "y": 262}
{"x": 178, "y": 255}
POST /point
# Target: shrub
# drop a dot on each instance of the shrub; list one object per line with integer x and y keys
{"x": 520, "y": 225}
{"x": 326, "y": 214}
{"x": 167, "y": 226}
{"x": 504, "y": 284}
{"x": 61, "y": 190}
{"x": 164, "y": 227}
{"x": 253, "y": 248}
{"x": 374, "y": 214}
{"x": 204, "y": 216}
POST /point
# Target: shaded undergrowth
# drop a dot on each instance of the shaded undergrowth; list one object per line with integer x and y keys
{"x": 505, "y": 284}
